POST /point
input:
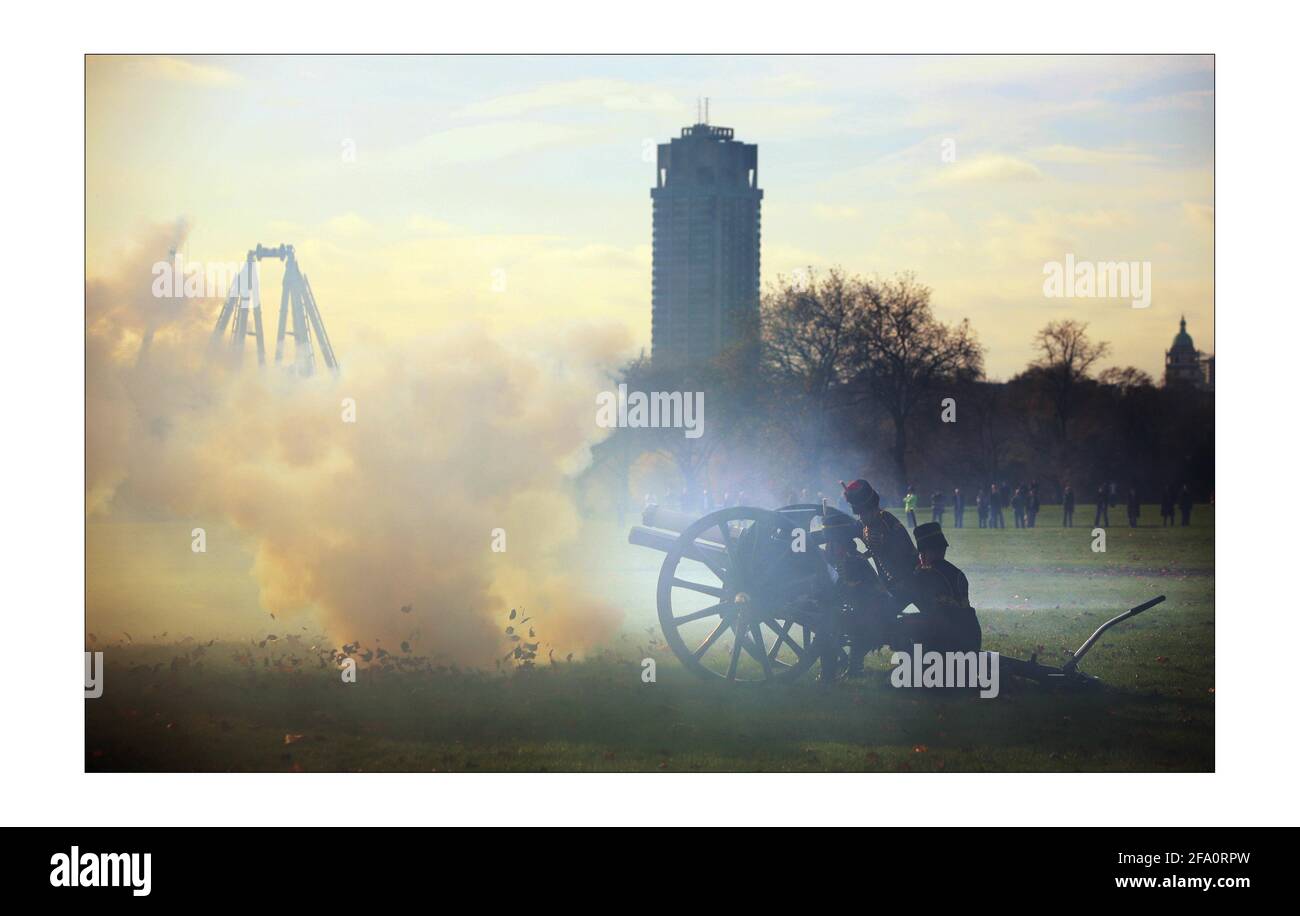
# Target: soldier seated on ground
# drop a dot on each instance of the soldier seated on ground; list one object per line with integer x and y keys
{"x": 866, "y": 598}
{"x": 946, "y": 622}
{"x": 858, "y": 605}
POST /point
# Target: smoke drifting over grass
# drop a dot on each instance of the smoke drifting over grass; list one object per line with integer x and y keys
{"x": 453, "y": 438}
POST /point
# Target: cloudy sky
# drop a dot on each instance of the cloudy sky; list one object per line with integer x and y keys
{"x": 423, "y": 193}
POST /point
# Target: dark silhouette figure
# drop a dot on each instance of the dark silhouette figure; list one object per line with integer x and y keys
{"x": 1018, "y": 506}
{"x": 982, "y": 507}
{"x": 1167, "y": 500}
{"x": 1134, "y": 507}
{"x": 1185, "y": 505}
{"x": 996, "y": 505}
{"x": 1032, "y": 505}
{"x": 1067, "y": 508}
{"x": 1102, "y": 519}
{"x": 941, "y": 592}
{"x": 958, "y": 507}
{"x": 936, "y": 506}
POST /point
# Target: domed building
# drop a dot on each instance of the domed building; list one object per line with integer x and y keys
{"x": 1187, "y": 366}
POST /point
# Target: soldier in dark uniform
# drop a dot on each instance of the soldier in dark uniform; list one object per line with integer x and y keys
{"x": 847, "y": 606}
{"x": 858, "y": 604}
{"x": 865, "y": 599}
{"x": 1134, "y": 507}
{"x": 1167, "y": 507}
{"x": 958, "y": 507}
{"x": 1032, "y": 505}
{"x": 941, "y": 593}
{"x": 936, "y": 506}
{"x": 888, "y": 544}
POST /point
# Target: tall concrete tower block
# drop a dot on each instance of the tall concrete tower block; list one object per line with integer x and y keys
{"x": 705, "y": 283}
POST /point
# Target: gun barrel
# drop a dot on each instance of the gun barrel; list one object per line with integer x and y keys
{"x": 667, "y": 519}
{"x": 664, "y": 541}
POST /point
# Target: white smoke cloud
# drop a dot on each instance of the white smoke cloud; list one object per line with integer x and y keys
{"x": 454, "y": 437}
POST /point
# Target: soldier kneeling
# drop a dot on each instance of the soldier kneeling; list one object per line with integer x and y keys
{"x": 946, "y": 622}
{"x": 864, "y": 598}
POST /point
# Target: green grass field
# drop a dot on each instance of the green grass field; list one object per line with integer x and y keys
{"x": 175, "y": 708}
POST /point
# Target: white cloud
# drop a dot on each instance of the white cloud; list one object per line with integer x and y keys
{"x": 1100, "y": 219}
{"x": 1194, "y": 100}
{"x": 987, "y": 169}
{"x": 179, "y": 70}
{"x": 349, "y": 225}
{"x": 485, "y": 143}
{"x": 614, "y": 95}
{"x": 1076, "y": 155}
{"x": 428, "y": 225}
{"x": 836, "y": 213}
{"x": 1199, "y": 214}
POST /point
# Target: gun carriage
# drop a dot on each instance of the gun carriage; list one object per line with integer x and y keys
{"x": 743, "y": 593}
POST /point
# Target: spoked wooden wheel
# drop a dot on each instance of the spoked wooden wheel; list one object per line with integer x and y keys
{"x": 734, "y": 597}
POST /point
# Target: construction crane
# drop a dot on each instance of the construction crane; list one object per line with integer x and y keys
{"x": 299, "y": 316}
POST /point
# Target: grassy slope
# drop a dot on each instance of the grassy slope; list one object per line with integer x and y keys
{"x": 1043, "y": 590}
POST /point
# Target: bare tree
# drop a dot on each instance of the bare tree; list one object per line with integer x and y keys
{"x": 810, "y": 330}
{"x": 1067, "y": 357}
{"x": 691, "y": 456}
{"x": 907, "y": 352}
{"x": 812, "y": 334}
{"x": 1127, "y": 379}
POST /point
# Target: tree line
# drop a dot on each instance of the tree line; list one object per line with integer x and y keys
{"x": 852, "y": 376}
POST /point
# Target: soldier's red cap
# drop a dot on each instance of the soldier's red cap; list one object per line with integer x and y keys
{"x": 859, "y": 493}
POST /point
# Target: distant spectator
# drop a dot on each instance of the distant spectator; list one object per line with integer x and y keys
{"x": 1134, "y": 507}
{"x": 936, "y": 506}
{"x": 1185, "y": 504}
{"x": 958, "y": 507}
{"x": 1102, "y": 519}
{"x": 1067, "y": 508}
{"x": 1032, "y": 505}
{"x": 996, "y": 505}
{"x": 1018, "y": 507}
{"x": 909, "y": 506}
{"x": 1167, "y": 500}
{"x": 982, "y": 507}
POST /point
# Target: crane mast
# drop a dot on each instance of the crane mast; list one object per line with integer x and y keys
{"x": 300, "y": 318}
